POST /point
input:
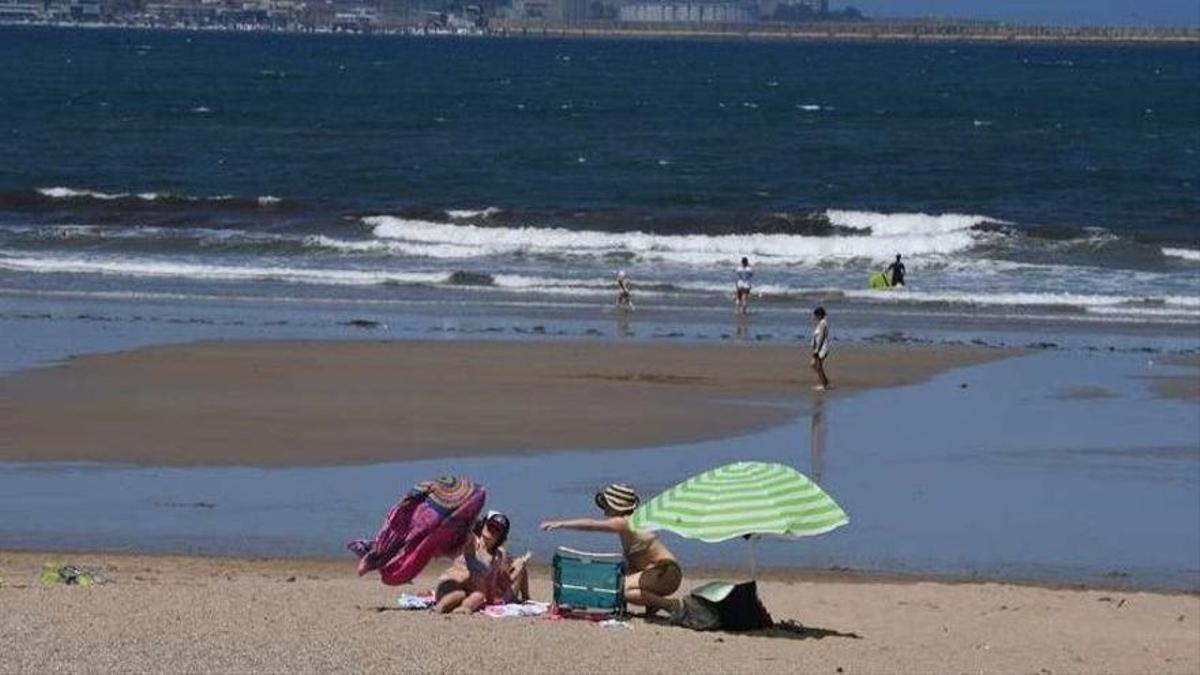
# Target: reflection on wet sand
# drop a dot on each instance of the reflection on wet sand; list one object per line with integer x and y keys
{"x": 816, "y": 437}
{"x": 624, "y": 328}
{"x": 741, "y": 329}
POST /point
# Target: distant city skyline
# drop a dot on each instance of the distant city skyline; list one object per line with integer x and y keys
{"x": 1069, "y": 12}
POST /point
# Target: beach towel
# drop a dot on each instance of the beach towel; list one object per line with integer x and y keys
{"x": 408, "y": 601}
{"x": 530, "y": 608}
{"x": 432, "y": 520}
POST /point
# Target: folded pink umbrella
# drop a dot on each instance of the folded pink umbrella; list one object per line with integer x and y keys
{"x": 432, "y": 520}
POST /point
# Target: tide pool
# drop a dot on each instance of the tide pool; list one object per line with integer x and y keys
{"x": 1000, "y": 471}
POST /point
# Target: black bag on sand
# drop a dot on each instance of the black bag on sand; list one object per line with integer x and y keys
{"x": 720, "y": 605}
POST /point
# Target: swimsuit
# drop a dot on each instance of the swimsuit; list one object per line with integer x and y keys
{"x": 485, "y": 577}
{"x": 661, "y": 577}
{"x": 744, "y": 275}
{"x": 820, "y": 341}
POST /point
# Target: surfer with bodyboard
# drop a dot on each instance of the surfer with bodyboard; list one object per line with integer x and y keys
{"x": 891, "y": 277}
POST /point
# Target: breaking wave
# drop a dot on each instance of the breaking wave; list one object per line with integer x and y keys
{"x": 1189, "y": 254}
{"x": 465, "y": 214}
{"x": 877, "y": 236}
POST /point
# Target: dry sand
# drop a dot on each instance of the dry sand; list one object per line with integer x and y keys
{"x": 289, "y": 403}
{"x": 173, "y": 614}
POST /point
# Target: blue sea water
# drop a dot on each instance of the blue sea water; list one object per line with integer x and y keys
{"x": 1017, "y": 180}
{"x": 160, "y": 186}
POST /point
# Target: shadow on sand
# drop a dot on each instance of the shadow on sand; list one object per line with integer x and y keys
{"x": 788, "y": 629}
{"x": 794, "y": 630}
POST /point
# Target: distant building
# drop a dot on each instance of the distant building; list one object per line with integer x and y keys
{"x": 20, "y": 10}
{"x": 85, "y": 10}
{"x": 686, "y": 12}
{"x": 554, "y": 11}
{"x": 355, "y": 18}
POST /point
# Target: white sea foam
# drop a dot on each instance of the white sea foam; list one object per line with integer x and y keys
{"x": 1086, "y": 301}
{"x": 1186, "y": 253}
{"x": 887, "y": 234}
{"x": 1178, "y": 308}
{"x": 201, "y": 235}
{"x": 72, "y": 193}
{"x": 400, "y": 248}
{"x": 906, "y": 224}
{"x": 76, "y": 193}
{"x": 460, "y": 214}
{"x": 156, "y": 268}
{"x": 159, "y": 268}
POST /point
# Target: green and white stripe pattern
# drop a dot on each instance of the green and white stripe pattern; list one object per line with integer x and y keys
{"x": 744, "y": 498}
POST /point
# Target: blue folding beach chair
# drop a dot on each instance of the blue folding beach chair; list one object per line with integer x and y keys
{"x": 589, "y": 584}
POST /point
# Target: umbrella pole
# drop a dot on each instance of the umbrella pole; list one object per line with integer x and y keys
{"x": 750, "y": 552}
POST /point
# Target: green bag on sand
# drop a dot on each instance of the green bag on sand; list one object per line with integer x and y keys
{"x": 66, "y": 574}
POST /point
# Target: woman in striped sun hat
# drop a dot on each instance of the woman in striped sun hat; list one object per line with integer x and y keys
{"x": 651, "y": 572}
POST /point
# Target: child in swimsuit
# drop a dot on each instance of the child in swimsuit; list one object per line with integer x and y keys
{"x": 651, "y": 572}
{"x": 484, "y": 573}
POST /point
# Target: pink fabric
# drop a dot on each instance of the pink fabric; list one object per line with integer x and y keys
{"x": 391, "y": 535}
{"x": 417, "y": 530}
{"x": 405, "y": 566}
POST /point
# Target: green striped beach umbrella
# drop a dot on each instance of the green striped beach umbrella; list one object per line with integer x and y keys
{"x": 744, "y": 499}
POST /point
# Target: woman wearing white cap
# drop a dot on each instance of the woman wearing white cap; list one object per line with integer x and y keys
{"x": 651, "y": 572}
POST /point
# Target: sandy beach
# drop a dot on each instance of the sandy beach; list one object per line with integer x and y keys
{"x": 181, "y": 614}
{"x": 313, "y": 403}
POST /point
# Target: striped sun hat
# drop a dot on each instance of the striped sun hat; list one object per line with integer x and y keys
{"x": 618, "y": 497}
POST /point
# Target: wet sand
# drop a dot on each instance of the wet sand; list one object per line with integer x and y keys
{"x": 186, "y": 614}
{"x": 1179, "y": 387}
{"x": 325, "y": 403}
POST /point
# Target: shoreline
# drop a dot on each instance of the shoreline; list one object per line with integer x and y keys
{"x": 770, "y": 573}
{"x": 316, "y": 403}
{"x": 870, "y": 32}
{"x": 185, "y": 614}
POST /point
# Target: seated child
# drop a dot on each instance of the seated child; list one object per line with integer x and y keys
{"x": 483, "y": 574}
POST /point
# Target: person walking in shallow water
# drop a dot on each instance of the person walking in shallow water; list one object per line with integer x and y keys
{"x": 741, "y": 298}
{"x": 895, "y": 273}
{"x": 624, "y": 292}
{"x": 820, "y": 348}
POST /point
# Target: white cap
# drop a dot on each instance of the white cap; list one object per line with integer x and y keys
{"x": 621, "y": 274}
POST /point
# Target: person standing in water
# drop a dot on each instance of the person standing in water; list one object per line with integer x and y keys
{"x": 895, "y": 273}
{"x": 741, "y": 300}
{"x": 820, "y": 348}
{"x": 624, "y": 294}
